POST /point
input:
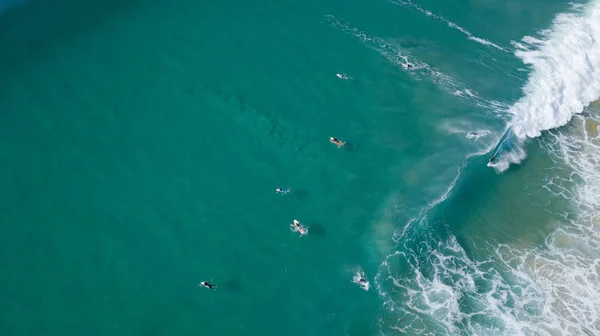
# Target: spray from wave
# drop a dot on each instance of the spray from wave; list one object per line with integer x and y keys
{"x": 565, "y": 76}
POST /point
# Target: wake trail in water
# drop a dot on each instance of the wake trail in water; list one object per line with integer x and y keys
{"x": 420, "y": 69}
{"x": 448, "y": 22}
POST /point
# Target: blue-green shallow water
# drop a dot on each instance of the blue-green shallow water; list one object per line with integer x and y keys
{"x": 141, "y": 143}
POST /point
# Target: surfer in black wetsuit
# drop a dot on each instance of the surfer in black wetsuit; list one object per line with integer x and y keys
{"x": 336, "y": 141}
{"x": 208, "y": 285}
{"x": 492, "y": 159}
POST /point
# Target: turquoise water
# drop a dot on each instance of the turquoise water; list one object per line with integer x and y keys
{"x": 142, "y": 141}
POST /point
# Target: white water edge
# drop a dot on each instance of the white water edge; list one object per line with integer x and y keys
{"x": 437, "y": 288}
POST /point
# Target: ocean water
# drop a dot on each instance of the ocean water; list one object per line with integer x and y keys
{"x": 141, "y": 143}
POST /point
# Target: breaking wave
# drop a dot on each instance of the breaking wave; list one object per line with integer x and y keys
{"x": 433, "y": 285}
{"x": 565, "y": 72}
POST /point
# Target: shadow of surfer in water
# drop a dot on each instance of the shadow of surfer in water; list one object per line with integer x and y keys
{"x": 318, "y": 229}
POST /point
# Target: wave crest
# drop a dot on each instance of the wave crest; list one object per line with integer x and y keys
{"x": 565, "y": 74}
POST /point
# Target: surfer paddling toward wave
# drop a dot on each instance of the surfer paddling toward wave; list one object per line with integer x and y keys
{"x": 282, "y": 191}
{"x": 297, "y": 227}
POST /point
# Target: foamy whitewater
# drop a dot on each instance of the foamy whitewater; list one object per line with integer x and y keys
{"x": 565, "y": 72}
{"x": 553, "y": 289}
{"x": 564, "y": 79}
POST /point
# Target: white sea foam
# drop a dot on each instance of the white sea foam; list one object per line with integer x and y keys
{"x": 421, "y": 217}
{"x": 513, "y": 156}
{"x": 434, "y": 287}
{"x": 564, "y": 79}
{"x": 566, "y": 272}
{"x": 477, "y": 134}
{"x": 359, "y": 274}
{"x": 449, "y": 23}
{"x": 460, "y": 93}
{"x": 538, "y": 291}
{"x": 565, "y": 76}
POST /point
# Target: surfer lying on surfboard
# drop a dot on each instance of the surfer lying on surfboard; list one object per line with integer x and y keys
{"x": 297, "y": 227}
{"x": 208, "y": 285}
{"x": 336, "y": 142}
{"x": 344, "y": 76}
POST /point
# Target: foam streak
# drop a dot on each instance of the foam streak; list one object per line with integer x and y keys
{"x": 420, "y": 70}
{"x": 449, "y": 23}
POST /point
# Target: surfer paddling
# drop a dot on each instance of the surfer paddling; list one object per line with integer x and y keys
{"x": 337, "y": 142}
{"x": 282, "y": 191}
{"x": 208, "y": 285}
